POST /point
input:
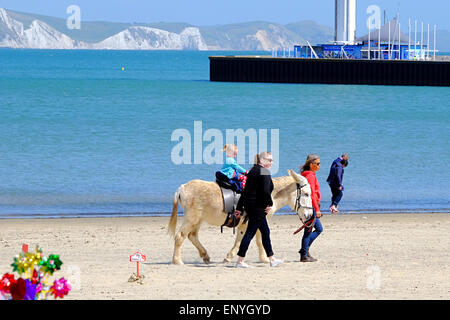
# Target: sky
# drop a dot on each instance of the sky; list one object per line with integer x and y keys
{"x": 213, "y": 12}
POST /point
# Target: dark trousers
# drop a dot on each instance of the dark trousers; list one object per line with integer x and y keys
{"x": 255, "y": 224}
{"x": 336, "y": 196}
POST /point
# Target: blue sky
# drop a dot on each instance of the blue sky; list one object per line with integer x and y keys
{"x": 211, "y": 12}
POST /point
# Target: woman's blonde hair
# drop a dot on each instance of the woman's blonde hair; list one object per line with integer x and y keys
{"x": 229, "y": 148}
{"x": 261, "y": 158}
{"x": 309, "y": 159}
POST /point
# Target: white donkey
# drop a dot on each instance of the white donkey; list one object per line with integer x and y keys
{"x": 202, "y": 201}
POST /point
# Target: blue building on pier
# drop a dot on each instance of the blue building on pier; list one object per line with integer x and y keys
{"x": 385, "y": 43}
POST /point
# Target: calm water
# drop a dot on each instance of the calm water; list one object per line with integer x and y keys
{"x": 81, "y": 136}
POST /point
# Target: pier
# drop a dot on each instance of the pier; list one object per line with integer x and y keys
{"x": 330, "y": 71}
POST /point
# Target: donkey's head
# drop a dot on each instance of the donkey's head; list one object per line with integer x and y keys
{"x": 292, "y": 190}
{"x": 300, "y": 200}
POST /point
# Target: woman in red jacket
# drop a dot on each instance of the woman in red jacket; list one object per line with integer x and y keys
{"x": 308, "y": 170}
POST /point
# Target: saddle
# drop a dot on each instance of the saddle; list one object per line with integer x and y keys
{"x": 230, "y": 201}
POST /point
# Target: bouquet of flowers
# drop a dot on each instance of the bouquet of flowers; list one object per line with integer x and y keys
{"x": 34, "y": 282}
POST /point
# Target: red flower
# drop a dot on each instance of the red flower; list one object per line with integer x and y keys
{"x": 6, "y": 282}
{"x": 18, "y": 289}
{"x": 35, "y": 277}
{"x": 60, "y": 288}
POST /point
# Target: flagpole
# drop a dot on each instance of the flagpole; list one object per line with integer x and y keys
{"x": 409, "y": 38}
{"x": 415, "y": 38}
{"x": 399, "y": 51}
{"x": 389, "y": 42}
{"x": 434, "y": 51}
{"x": 379, "y": 42}
{"x": 421, "y": 42}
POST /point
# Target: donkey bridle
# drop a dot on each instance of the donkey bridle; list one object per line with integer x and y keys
{"x": 310, "y": 222}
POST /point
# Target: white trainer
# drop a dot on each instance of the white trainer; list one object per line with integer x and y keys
{"x": 276, "y": 262}
{"x": 243, "y": 265}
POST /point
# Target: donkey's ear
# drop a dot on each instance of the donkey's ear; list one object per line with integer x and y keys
{"x": 294, "y": 175}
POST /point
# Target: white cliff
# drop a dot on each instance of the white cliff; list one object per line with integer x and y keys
{"x": 16, "y": 31}
{"x": 146, "y": 38}
{"x": 192, "y": 39}
{"x": 11, "y": 30}
{"x": 41, "y": 36}
{"x": 273, "y": 38}
{"x": 38, "y": 35}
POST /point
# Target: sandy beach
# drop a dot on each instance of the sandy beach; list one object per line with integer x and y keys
{"x": 360, "y": 256}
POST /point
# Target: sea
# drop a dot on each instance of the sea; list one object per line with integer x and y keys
{"x": 115, "y": 133}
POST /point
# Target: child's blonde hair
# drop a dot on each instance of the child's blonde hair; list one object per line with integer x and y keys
{"x": 229, "y": 148}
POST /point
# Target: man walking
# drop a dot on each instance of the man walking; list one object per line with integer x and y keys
{"x": 335, "y": 181}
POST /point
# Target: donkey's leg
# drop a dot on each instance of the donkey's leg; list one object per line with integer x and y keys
{"x": 181, "y": 235}
{"x": 193, "y": 236}
{"x": 240, "y": 234}
{"x": 262, "y": 253}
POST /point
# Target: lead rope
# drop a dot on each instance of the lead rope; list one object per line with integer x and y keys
{"x": 306, "y": 225}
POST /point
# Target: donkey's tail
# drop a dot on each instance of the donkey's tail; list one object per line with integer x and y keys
{"x": 173, "y": 217}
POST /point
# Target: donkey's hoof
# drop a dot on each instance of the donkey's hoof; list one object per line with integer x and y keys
{"x": 264, "y": 260}
{"x": 207, "y": 260}
{"x": 177, "y": 262}
{"x": 226, "y": 260}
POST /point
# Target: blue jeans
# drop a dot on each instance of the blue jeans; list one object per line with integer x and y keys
{"x": 255, "y": 223}
{"x": 309, "y": 236}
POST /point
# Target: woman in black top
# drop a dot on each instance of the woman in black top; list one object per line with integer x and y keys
{"x": 256, "y": 200}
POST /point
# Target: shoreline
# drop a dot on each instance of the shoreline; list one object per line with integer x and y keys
{"x": 14, "y": 216}
{"x": 377, "y": 256}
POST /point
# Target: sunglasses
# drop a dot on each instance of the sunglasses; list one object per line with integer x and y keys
{"x": 316, "y": 163}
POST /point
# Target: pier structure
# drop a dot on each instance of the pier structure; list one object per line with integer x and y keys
{"x": 329, "y": 71}
{"x": 385, "y": 56}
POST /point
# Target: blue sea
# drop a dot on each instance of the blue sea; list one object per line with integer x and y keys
{"x": 89, "y": 133}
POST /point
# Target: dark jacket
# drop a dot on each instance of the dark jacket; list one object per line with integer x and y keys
{"x": 336, "y": 174}
{"x": 257, "y": 194}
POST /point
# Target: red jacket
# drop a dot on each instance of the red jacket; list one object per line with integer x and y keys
{"x": 315, "y": 188}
